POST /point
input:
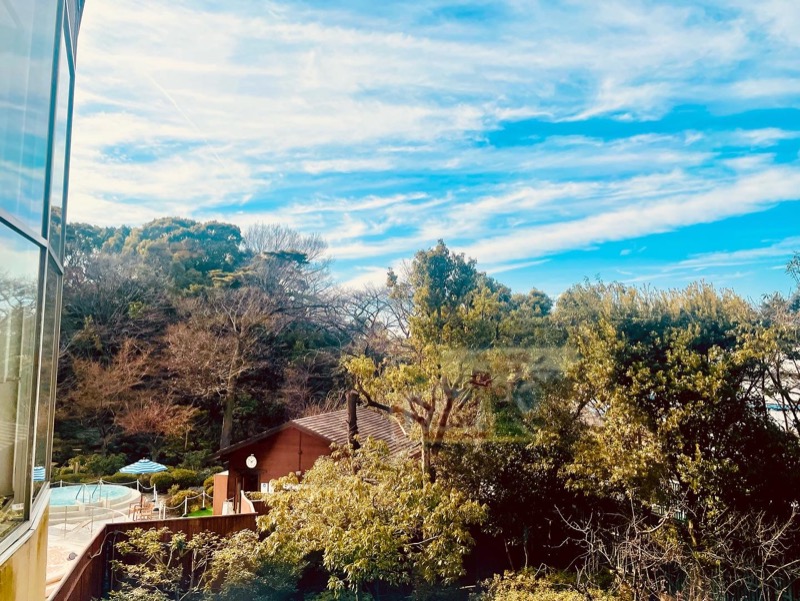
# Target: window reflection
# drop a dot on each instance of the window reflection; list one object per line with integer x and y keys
{"x": 18, "y": 284}
{"x": 41, "y": 455}
{"x": 58, "y": 177}
{"x": 27, "y": 31}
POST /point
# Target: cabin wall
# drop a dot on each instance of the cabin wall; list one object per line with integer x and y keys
{"x": 287, "y": 451}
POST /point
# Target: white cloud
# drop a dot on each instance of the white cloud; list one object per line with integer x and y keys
{"x": 373, "y": 128}
{"x": 369, "y": 276}
{"x": 747, "y": 194}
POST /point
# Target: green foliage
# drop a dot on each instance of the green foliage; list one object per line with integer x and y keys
{"x": 194, "y": 460}
{"x": 373, "y": 518}
{"x": 100, "y": 465}
{"x": 176, "y": 500}
{"x": 185, "y": 478}
{"x": 520, "y": 485}
{"x": 243, "y": 569}
{"x": 672, "y": 375}
{"x": 528, "y": 586}
{"x": 159, "y": 564}
{"x": 209, "y": 472}
{"x": 189, "y": 253}
{"x": 75, "y": 478}
{"x": 120, "y": 478}
{"x": 162, "y": 481}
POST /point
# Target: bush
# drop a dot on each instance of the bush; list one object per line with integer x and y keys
{"x": 185, "y": 478}
{"x": 210, "y": 471}
{"x": 120, "y": 478}
{"x": 104, "y": 464}
{"x": 176, "y": 500}
{"x": 526, "y": 586}
{"x": 162, "y": 481}
{"x": 208, "y": 482}
{"x": 194, "y": 460}
{"x": 75, "y": 478}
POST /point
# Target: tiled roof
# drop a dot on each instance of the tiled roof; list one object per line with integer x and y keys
{"x": 333, "y": 426}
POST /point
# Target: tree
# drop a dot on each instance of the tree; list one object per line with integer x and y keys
{"x": 162, "y": 566}
{"x": 220, "y": 341}
{"x": 109, "y": 299}
{"x": 155, "y": 419}
{"x": 374, "y": 518}
{"x": 441, "y": 284}
{"x": 418, "y": 395}
{"x": 102, "y": 390}
{"x": 189, "y": 253}
{"x": 83, "y": 242}
{"x": 285, "y": 261}
{"x": 671, "y": 386}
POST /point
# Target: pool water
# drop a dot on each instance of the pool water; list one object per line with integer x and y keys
{"x": 91, "y": 493}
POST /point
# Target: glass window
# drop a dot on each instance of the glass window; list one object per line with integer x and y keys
{"x": 27, "y": 35}
{"x": 18, "y": 289}
{"x": 58, "y": 177}
{"x": 41, "y": 461}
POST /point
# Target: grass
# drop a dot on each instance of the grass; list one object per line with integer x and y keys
{"x": 200, "y": 513}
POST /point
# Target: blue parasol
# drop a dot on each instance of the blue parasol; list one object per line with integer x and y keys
{"x": 143, "y": 466}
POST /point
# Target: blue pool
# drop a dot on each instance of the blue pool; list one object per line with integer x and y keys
{"x": 91, "y": 493}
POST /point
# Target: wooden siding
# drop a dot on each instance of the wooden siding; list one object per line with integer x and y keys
{"x": 287, "y": 451}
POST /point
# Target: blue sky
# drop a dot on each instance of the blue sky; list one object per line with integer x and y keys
{"x": 646, "y": 142}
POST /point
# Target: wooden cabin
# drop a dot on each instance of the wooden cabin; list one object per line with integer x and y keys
{"x": 294, "y": 447}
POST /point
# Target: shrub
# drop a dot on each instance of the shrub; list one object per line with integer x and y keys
{"x": 75, "y": 478}
{"x": 162, "y": 481}
{"x": 208, "y": 482}
{"x": 104, "y": 464}
{"x": 194, "y": 460}
{"x": 210, "y": 471}
{"x": 185, "y": 478}
{"x": 526, "y": 586}
{"x": 175, "y": 501}
{"x": 120, "y": 478}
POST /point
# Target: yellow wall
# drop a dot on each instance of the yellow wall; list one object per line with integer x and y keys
{"x": 23, "y": 576}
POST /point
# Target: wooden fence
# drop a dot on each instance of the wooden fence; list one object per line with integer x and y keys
{"x": 90, "y": 577}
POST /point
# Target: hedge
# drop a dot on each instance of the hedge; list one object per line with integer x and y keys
{"x": 162, "y": 481}
{"x": 120, "y": 478}
{"x": 185, "y": 478}
{"x": 176, "y": 500}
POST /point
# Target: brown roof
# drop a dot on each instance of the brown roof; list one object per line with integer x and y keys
{"x": 332, "y": 427}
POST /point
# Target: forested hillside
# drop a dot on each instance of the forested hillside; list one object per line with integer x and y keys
{"x": 630, "y": 441}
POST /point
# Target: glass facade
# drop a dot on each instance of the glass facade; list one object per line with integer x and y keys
{"x": 37, "y": 69}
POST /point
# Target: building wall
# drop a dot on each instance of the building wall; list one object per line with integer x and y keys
{"x": 37, "y": 54}
{"x": 287, "y": 451}
{"x": 23, "y": 575}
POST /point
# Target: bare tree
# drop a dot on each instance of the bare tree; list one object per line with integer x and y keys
{"x": 101, "y": 390}
{"x": 156, "y": 419}
{"x": 649, "y": 552}
{"x": 219, "y": 342}
{"x": 287, "y": 262}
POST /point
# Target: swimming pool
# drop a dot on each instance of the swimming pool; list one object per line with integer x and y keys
{"x": 90, "y": 493}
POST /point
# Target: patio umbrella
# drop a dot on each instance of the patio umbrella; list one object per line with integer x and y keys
{"x": 38, "y": 473}
{"x": 143, "y": 466}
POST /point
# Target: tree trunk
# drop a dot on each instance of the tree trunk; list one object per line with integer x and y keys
{"x": 230, "y": 400}
{"x": 426, "y": 458}
{"x": 227, "y": 420}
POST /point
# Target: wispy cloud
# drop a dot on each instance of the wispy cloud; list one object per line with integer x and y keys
{"x": 383, "y": 129}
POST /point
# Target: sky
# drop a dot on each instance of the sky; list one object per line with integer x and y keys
{"x": 651, "y": 143}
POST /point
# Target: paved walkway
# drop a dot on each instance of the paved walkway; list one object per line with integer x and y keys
{"x": 67, "y": 541}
